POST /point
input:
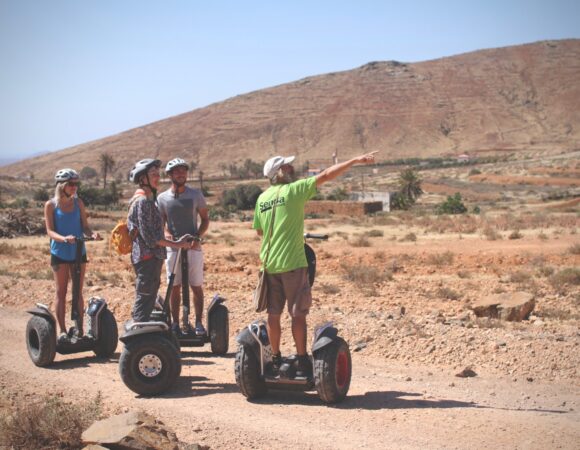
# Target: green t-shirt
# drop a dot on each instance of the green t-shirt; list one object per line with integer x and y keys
{"x": 287, "y": 242}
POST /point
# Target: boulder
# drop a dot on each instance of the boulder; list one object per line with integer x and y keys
{"x": 132, "y": 430}
{"x": 512, "y": 307}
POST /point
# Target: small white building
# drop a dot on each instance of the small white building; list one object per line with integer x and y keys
{"x": 384, "y": 197}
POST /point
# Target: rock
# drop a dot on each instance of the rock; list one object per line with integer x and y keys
{"x": 512, "y": 307}
{"x": 466, "y": 373}
{"x": 358, "y": 347}
{"x": 133, "y": 430}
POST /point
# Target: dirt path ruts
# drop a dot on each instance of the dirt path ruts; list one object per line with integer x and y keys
{"x": 389, "y": 405}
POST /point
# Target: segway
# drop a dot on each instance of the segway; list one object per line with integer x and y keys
{"x": 331, "y": 359}
{"x": 217, "y": 319}
{"x": 150, "y": 361}
{"x": 101, "y": 336}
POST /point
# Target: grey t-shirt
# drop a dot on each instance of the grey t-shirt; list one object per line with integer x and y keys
{"x": 181, "y": 213}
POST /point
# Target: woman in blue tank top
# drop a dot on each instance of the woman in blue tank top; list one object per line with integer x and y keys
{"x": 66, "y": 219}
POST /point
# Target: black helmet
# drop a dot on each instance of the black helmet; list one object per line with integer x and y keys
{"x": 142, "y": 167}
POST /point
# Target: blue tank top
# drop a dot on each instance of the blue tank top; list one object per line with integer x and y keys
{"x": 67, "y": 223}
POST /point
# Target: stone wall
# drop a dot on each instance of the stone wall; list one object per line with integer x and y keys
{"x": 342, "y": 208}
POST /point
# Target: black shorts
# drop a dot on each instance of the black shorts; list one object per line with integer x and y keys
{"x": 55, "y": 261}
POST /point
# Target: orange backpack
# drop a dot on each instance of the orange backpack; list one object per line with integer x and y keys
{"x": 121, "y": 240}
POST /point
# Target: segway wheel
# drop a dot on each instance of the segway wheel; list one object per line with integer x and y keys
{"x": 149, "y": 365}
{"x": 108, "y": 335}
{"x": 332, "y": 371}
{"x": 247, "y": 370}
{"x": 41, "y": 341}
{"x": 219, "y": 330}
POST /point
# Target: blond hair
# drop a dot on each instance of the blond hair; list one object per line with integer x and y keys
{"x": 59, "y": 193}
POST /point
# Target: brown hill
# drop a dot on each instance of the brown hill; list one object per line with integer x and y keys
{"x": 518, "y": 98}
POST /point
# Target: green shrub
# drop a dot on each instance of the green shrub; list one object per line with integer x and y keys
{"x": 40, "y": 195}
{"x": 338, "y": 194}
{"x": 91, "y": 195}
{"x": 88, "y": 172}
{"x": 453, "y": 205}
{"x": 20, "y": 202}
{"x": 241, "y": 197}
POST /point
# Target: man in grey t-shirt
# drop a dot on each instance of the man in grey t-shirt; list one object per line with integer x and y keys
{"x": 180, "y": 206}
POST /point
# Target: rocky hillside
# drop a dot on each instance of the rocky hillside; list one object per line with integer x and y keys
{"x": 521, "y": 98}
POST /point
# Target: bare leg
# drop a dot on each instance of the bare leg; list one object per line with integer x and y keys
{"x": 274, "y": 332}
{"x": 175, "y": 303}
{"x": 61, "y": 275}
{"x": 299, "y": 333}
{"x": 198, "y": 302}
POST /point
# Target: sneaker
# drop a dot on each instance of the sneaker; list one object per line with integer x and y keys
{"x": 199, "y": 329}
{"x": 276, "y": 363}
{"x": 63, "y": 339}
{"x": 303, "y": 366}
{"x": 175, "y": 329}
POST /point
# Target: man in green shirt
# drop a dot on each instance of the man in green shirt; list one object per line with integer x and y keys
{"x": 282, "y": 250}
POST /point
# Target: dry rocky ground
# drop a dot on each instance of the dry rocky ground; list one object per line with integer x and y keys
{"x": 400, "y": 288}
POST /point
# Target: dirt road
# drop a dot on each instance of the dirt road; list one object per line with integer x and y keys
{"x": 389, "y": 406}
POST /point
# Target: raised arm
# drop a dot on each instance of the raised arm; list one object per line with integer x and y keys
{"x": 336, "y": 170}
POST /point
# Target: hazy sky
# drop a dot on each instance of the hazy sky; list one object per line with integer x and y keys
{"x": 72, "y": 71}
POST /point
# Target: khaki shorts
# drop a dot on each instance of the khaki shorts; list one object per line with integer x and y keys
{"x": 194, "y": 264}
{"x": 292, "y": 286}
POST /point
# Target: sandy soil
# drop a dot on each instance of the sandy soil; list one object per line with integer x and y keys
{"x": 409, "y": 337}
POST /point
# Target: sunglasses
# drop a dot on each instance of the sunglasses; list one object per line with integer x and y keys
{"x": 73, "y": 183}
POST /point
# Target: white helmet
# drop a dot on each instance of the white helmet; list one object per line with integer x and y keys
{"x": 141, "y": 167}
{"x": 177, "y": 162}
{"x": 66, "y": 175}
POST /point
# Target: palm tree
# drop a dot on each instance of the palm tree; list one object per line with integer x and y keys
{"x": 107, "y": 164}
{"x": 410, "y": 185}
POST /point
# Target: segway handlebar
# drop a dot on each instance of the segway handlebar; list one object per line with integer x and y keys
{"x": 190, "y": 238}
{"x": 323, "y": 237}
{"x": 83, "y": 239}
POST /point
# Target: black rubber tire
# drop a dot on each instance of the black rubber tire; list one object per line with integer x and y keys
{"x": 41, "y": 341}
{"x": 247, "y": 370}
{"x": 158, "y": 347}
{"x": 332, "y": 371}
{"x": 219, "y": 327}
{"x": 108, "y": 335}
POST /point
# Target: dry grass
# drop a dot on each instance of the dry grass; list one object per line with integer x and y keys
{"x": 441, "y": 259}
{"x": 448, "y": 293}
{"x": 45, "y": 274}
{"x": 574, "y": 249}
{"x": 562, "y": 281}
{"x": 374, "y": 233}
{"x": 491, "y": 234}
{"x": 520, "y": 276}
{"x": 360, "y": 241}
{"x": 364, "y": 276}
{"x": 409, "y": 237}
{"x": 7, "y": 250}
{"x": 49, "y": 423}
{"x": 515, "y": 235}
{"x": 329, "y": 288}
